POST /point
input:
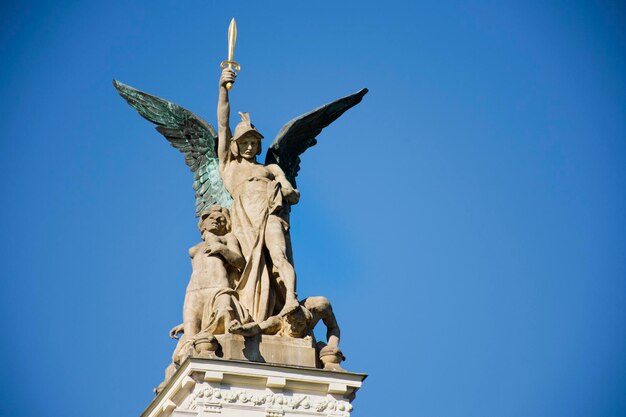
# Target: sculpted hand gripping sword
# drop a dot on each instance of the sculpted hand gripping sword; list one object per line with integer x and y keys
{"x": 232, "y": 39}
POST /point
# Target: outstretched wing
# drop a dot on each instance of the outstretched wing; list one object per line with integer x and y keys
{"x": 191, "y": 135}
{"x": 299, "y": 134}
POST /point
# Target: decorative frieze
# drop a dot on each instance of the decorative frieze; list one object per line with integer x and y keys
{"x": 210, "y": 387}
{"x": 207, "y": 399}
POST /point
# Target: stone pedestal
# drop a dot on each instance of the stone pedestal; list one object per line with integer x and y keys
{"x": 268, "y": 349}
{"x": 212, "y": 387}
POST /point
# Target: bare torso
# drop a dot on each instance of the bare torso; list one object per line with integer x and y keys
{"x": 209, "y": 271}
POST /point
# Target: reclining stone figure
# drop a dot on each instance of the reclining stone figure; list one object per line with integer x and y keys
{"x": 299, "y": 323}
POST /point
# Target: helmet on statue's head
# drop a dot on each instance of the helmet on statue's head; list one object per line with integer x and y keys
{"x": 245, "y": 127}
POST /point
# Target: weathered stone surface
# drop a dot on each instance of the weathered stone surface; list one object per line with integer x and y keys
{"x": 268, "y": 349}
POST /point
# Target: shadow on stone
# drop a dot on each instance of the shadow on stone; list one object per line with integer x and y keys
{"x": 252, "y": 349}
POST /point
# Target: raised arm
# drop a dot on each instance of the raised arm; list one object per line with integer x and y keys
{"x": 223, "y": 117}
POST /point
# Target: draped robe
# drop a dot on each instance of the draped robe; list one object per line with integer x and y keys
{"x": 255, "y": 199}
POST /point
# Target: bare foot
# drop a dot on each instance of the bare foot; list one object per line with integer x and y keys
{"x": 246, "y": 330}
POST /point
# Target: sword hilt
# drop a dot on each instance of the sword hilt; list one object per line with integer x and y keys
{"x": 232, "y": 65}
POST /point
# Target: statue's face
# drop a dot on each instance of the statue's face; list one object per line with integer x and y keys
{"x": 249, "y": 146}
{"x": 215, "y": 223}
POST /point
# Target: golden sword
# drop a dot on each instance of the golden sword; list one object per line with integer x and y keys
{"x": 232, "y": 39}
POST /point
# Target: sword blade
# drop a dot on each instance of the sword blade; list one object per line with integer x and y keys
{"x": 232, "y": 39}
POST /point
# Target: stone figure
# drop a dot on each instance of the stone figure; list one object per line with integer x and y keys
{"x": 211, "y": 304}
{"x": 243, "y": 279}
{"x": 268, "y": 283}
{"x": 210, "y": 301}
{"x": 260, "y": 194}
{"x": 299, "y": 323}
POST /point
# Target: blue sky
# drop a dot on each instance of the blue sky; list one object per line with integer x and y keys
{"x": 466, "y": 219}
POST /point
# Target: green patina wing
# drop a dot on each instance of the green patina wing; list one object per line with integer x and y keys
{"x": 191, "y": 135}
{"x": 299, "y": 134}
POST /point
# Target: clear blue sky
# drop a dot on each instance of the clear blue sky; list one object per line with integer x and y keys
{"x": 467, "y": 219}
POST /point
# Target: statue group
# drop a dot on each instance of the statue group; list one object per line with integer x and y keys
{"x": 243, "y": 279}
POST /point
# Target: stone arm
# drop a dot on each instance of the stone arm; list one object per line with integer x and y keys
{"x": 224, "y": 134}
{"x": 270, "y": 326}
{"x": 333, "y": 333}
{"x": 232, "y": 254}
{"x": 289, "y": 193}
{"x": 320, "y": 308}
{"x": 230, "y": 251}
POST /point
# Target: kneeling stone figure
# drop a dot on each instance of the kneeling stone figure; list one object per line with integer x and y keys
{"x": 211, "y": 304}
